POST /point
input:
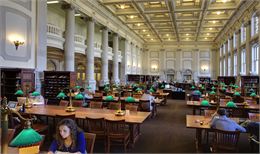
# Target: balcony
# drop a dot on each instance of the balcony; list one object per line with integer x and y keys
{"x": 55, "y": 36}
{"x": 79, "y": 43}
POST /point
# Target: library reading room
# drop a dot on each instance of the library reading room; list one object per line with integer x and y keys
{"x": 129, "y": 76}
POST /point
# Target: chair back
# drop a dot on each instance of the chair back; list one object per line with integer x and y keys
{"x": 90, "y": 141}
{"x": 137, "y": 96}
{"x": 96, "y": 105}
{"x": 63, "y": 103}
{"x": 131, "y": 107}
{"x": 99, "y": 99}
{"x": 196, "y": 97}
{"x": 212, "y": 97}
{"x": 10, "y": 135}
{"x": 145, "y": 105}
{"x": 224, "y": 100}
{"x": 208, "y": 113}
{"x": 212, "y": 107}
{"x": 113, "y": 106}
{"x": 96, "y": 126}
{"x": 238, "y": 99}
{"x": 61, "y": 117}
{"x": 257, "y": 100}
{"x": 253, "y": 116}
{"x": 115, "y": 129}
{"x": 238, "y": 111}
{"x": 11, "y": 122}
{"x": 98, "y": 95}
{"x": 45, "y": 101}
{"x": 127, "y": 94}
{"x": 226, "y": 141}
{"x": 77, "y": 103}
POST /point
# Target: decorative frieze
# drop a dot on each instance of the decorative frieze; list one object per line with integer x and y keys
{"x": 230, "y": 37}
{"x": 195, "y": 50}
{"x": 162, "y": 50}
{"x": 178, "y": 50}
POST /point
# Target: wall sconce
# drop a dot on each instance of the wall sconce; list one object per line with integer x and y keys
{"x": 134, "y": 66}
{"x": 204, "y": 68}
{"x": 17, "y": 43}
{"x": 154, "y": 68}
{"x": 139, "y": 66}
{"x": 128, "y": 65}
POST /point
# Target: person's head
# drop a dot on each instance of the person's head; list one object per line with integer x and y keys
{"x": 65, "y": 129}
{"x": 221, "y": 112}
{"x": 30, "y": 93}
{"x": 72, "y": 91}
{"x": 81, "y": 89}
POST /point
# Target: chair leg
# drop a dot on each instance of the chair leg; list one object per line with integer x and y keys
{"x": 48, "y": 134}
{"x": 105, "y": 142}
{"x": 124, "y": 145}
{"x": 108, "y": 145}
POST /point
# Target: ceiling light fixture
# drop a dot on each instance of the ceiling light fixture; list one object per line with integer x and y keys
{"x": 218, "y": 13}
{"x": 187, "y": 34}
{"x": 151, "y": 38}
{"x": 167, "y": 34}
{"x": 122, "y": 6}
{"x": 214, "y": 21}
{"x": 51, "y": 2}
{"x": 169, "y": 38}
{"x": 210, "y": 28}
{"x": 224, "y": 1}
{"x": 131, "y": 17}
{"x": 144, "y": 30}
{"x": 138, "y": 24}
{"x": 206, "y": 38}
{"x": 207, "y": 33}
{"x": 148, "y": 35}
{"x": 187, "y": 38}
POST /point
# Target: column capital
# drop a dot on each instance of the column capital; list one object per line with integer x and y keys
{"x": 230, "y": 37}
{"x": 213, "y": 50}
{"x": 221, "y": 46}
{"x": 132, "y": 43}
{"x": 115, "y": 34}
{"x": 137, "y": 47}
{"x": 178, "y": 50}
{"x": 71, "y": 7}
{"x": 225, "y": 42}
{"x": 141, "y": 49}
{"x": 146, "y": 50}
{"x": 234, "y": 51}
{"x": 195, "y": 50}
{"x": 242, "y": 47}
{"x": 238, "y": 32}
{"x": 104, "y": 28}
{"x": 86, "y": 19}
{"x": 123, "y": 39}
{"x": 162, "y": 50}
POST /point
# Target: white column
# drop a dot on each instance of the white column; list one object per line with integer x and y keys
{"x": 217, "y": 63}
{"x": 123, "y": 67}
{"x": 232, "y": 56}
{"x": 136, "y": 61}
{"x": 69, "y": 36}
{"x": 226, "y": 57}
{"x": 162, "y": 77}
{"x": 196, "y": 64}
{"x": 90, "y": 54}
{"x": 41, "y": 44}
{"x": 132, "y": 59}
{"x": 213, "y": 68}
{"x": 179, "y": 77}
{"x": 141, "y": 64}
{"x": 248, "y": 48}
{"x": 104, "y": 57}
{"x": 222, "y": 59}
{"x": 238, "y": 33}
{"x": 258, "y": 42}
{"x": 115, "y": 59}
{"x": 145, "y": 61}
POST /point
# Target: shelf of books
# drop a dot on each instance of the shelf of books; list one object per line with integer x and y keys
{"x": 14, "y": 78}
{"x": 249, "y": 82}
{"x": 56, "y": 80}
{"x": 227, "y": 79}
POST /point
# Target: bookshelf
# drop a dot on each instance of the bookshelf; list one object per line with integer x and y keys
{"x": 227, "y": 79}
{"x": 249, "y": 82}
{"x": 12, "y": 78}
{"x": 137, "y": 78}
{"x": 202, "y": 79}
{"x": 53, "y": 80}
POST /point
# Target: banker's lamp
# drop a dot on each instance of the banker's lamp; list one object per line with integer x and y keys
{"x": 138, "y": 89}
{"x": 151, "y": 90}
{"x": 61, "y": 94}
{"x": 231, "y": 103}
{"x": 119, "y": 112}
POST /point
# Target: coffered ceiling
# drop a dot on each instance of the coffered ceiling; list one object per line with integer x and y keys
{"x": 174, "y": 20}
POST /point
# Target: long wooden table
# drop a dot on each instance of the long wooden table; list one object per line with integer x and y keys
{"x": 134, "y": 119}
{"x": 164, "y": 96}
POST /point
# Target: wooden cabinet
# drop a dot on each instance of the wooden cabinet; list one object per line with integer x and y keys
{"x": 202, "y": 79}
{"x": 227, "y": 79}
{"x": 55, "y": 80}
{"x": 12, "y": 78}
{"x": 249, "y": 82}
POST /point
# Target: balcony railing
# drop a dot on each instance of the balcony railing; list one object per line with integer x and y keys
{"x": 110, "y": 49}
{"x": 51, "y": 29}
{"x": 97, "y": 45}
{"x": 79, "y": 39}
{"x": 119, "y": 52}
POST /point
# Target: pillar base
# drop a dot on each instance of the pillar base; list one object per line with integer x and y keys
{"x": 92, "y": 84}
{"x": 116, "y": 81}
{"x": 102, "y": 82}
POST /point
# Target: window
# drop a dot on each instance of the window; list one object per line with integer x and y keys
{"x": 224, "y": 49}
{"x": 229, "y": 66}
{"x": 235, "y": 40}
{"x": 243, "y": 33}
{"x": 229, "y": 44}
{"x": 235, "y": 64}
{"x": 254, "y": 25}
{"x": 220, "y": 68}
{"x": 224, "y": 67}
{"x": 220, "y": 51}
{"x": 255, "y": 52}
{"x": 51, "y": 66}
{"x": 243, "y": 61}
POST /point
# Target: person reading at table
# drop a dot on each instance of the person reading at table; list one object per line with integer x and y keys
{"x": 148, "y": 96}
{"x": 68, "y": 138}
{"x": 37, "y": 100}
{"x": 194, "y": 93}
{"x": 220, "y": 121}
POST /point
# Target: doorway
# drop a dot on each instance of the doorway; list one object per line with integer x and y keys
{"x": 170, "y": 77}
{"x": 81, "y": 75}
{"x": 97, "y": 73}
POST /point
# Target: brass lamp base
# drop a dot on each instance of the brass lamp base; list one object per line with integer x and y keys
{"x": 203, "y": 95}
{"x": 245, "y": 103}
{"x": 119, "y": 113}
{"x": 70, "y": 109}
{"x": 28, "y": 105}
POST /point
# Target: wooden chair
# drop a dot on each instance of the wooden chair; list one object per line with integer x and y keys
{"x": 97, "y": 105}
{"x": 39, "y": 144}
{"x": 63, "y": 103}
{"x": 90, "y": 140}
{"x": 238, "y": 111}
{"x": 11, "y": 122}
{"x": 10, "y": 135}
{"x": 97, "y": 126}
{"x": 226, "y": 141}
{"x": 137, "y": 96}
{"x": 77, "y": 103}
{"x": 212, "y": 97}
{"x": 196, "y": 97}
{"x": 37, "y": 127}
{"x": 238, "y": 99}
{"x": 45, "y": 101}
{"x": 208, "y": 113}
{"x": 116, "y": 133}
{"x": 113, "y": 106}
{"x": 145, "y": 105}
{"x": 226, "y": 100}
{"x": 131, "y": 107}
{"x": 127, "y": 94}
{"x": 253, "y": 116}
{"x": 98, "y": 95}
{"x": 61, "y": 117}
{"x": 98, "y": 99}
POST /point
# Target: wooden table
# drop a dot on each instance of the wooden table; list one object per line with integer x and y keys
{"x": 164, "y": 96}
{"x": 196, "y": 104}
{"x": 134, "y": 119}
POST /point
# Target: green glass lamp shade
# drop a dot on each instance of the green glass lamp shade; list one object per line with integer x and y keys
{"x": 26, "y": 137}
{"x": 162, "y": 86}
{"x": 212, "y": 93}
{"x": 35, "y": 93}
{"x": 77, "y": 87}
{"x": 88, "y": 87}
{"x": 236, "y": 94}
{"x": 205, "y": 103}
{"x": 231, "y": 104}
{"x": 192, "y": 87}
{"x": 105, "y": 84}
{"x": 251, "y": 90}
{"x": 213, "y": 88}
{"x": 236, "y": 86}
{"x": 203, "y": 88}
{"x": 197, "y": 92}
{"x": 153, "y": 86}
{"x": 223, "y": 88}
{"x": 118, "y": 88}
{"x": 106, "y": 88}
{"x": 151, "y": 90}
{"x": 79, "y": 96}
{"x": 129, "y": 99}
{"x": 109, "y": 98}
{"x": 19, "y": 92}
{"x": 138, "y": 89}
{"x": 114, "y": 85}
{"x": 231, "y": 85}
{"x": 253, "y": 95}
{"x": 61, "y": 95}
{"x": 134, "y": 85}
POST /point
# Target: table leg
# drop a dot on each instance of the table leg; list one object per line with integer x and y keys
{"x": 194, "y": 110}
{"x": 135, "y": 133}
{"x": 198, "y": 140}
{"x": 154, "y": 110}
{"x": 165, "y": 100}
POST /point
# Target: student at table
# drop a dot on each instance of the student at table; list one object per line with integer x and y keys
{"x": 148, "y": 96}
{"x": 194, "y": 93}
{"x": 86, "y": 96}
{"x": 220, "y": 121}
{"x": 68, "y": 138}
{"x": 37, "y": 100}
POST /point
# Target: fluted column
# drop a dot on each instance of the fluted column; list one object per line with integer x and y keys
{"x": 141, "y": 64}
{"x": 90, "y": 54}
{"x": 145, "y": 61}
{"x": 132, "y": 57}
{"x": 179, "y": 77}
{"x": 238, "y": 33}
{"x": 162, "y": 77}
{"x": 226, "y": 57}
{"x": 123, "y": 67}
{"x": 69, "y": 36}
{"x": 248, "y": 48}
{"x": 138, "y": 55}
{"x": 213, "y": 68}
{"x": 196, "y": 64}
{"x": 115, "y": 58}
{"x": 232, "y": 56}
{"x": 258, "y": 41}
{"x": 222, "y": 59}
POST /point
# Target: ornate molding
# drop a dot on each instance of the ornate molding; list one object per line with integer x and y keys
{"x": 162, "y": 50}
{"x": 234, "y": 51}
{"x": 104, "y": 28}
{"x": 71, "y": 7}
{"x": 213, "y": 50}
{"x": 225, "y": 42}
{"x": 132, "y": 43}
{"x": 242, "y": 47}
{"x": 178, "y": 50}
{"x": 196, "y": 50}
{"x": 221, "y": 46}
{"x": 238, "y": 31}
{"x": 230, "y": 37}
{"x": 123, "y": 39}
{"x": 254, "y": 40}
{"x": 116, "y": 34}
{"x": 146, "y": 50}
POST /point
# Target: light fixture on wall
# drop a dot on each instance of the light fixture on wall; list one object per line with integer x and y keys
{"x": 139, "y": 66}
{"x": 134, "y": 66}
{"x": 154, "y": 68}
{"x": 204, "y": 68}
{"x": 128, "y": 65}
{"x": 17, "y": 43}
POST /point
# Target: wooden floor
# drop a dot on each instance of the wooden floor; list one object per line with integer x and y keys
{"x": 167, "y": 133}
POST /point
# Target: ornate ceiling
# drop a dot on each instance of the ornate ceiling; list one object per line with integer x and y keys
{"x": 174, "y": 20}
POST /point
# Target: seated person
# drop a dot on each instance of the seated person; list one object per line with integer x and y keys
{"x": 148, "y": 96}
{"x": 37, "y": 100}
{"x": 72, "y": 94}
{"x": 85, "y": 96}
{"x": 68, "y": 138}
{"x": 194, "y": 93}
{"x": 224, "y": 123}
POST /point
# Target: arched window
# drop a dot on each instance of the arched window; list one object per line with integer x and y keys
{"x": 220, "y": 52}
{"x": 224, "y": 48}
{"x": 51, "y": 66}
{"x": 255, "y": 60}
{"x": 235, "y": 40}
{"x": 229, "y": 44}
{"x": 220, "y": 68}
{"x": 254, "y": 23}
{"x": 243, "y": 61}
{"x": 229, "y": 66}
{"x": 235, "y": 64}
{"x": 243, "y": 33}
{"x": 81, "y": 72}
{"x": 224, "y": 67}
